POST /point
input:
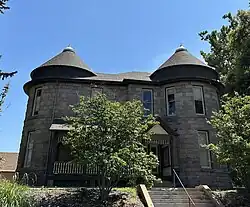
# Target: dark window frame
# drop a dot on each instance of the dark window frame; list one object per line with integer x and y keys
{"x": 202, "y": 101}
{"x": 152, "y": 98}
{"x": 167, "y": 101}
{"x": 34, "y": 104}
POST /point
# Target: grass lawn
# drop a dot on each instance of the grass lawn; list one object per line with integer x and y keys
{"x": 130, "y": 190}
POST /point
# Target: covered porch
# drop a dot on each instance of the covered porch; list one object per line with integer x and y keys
{"x": 162, "y": 144}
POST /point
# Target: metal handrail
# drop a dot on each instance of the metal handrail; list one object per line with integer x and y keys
{"x": 190, "y": 200}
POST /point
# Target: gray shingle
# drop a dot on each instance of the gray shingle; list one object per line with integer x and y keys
{"x": 182, "y": 57}
{"x": 67, "y": 57}
{"x": 119, "y": 77}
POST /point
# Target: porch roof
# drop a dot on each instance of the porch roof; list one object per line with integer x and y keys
{"x": 162, "y": 129}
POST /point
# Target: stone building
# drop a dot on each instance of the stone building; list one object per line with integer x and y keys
{"x": 181, "y": 93}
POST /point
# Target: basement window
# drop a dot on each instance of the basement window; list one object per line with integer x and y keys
{"x": 36, "y": 103}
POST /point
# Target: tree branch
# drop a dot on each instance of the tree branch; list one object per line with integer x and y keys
{"x": 4, "y": 75}
{"x": 3, "y": 6}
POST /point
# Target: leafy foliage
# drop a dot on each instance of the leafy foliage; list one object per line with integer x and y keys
{"x": 3, "y": 93}
{"x": 233, "y": 132}
{"x": 4, "y": 75}
{"x": 230, "y": 51}
{"x": 3, "y": 6}
{"x": 110, "y": 135}
{"x": 14, "y": 195}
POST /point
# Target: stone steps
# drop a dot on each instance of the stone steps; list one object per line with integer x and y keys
{"x": 173, "y": 197}
{"x": 182, "y": 205}
{"x": 181, "y": 200}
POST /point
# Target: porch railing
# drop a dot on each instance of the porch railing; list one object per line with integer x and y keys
{"x": 73, "y": 168}
{"x": 190, "y": 200}
{"x": 60, "y": 167}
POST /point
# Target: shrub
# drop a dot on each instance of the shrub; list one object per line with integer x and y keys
{"x": 14, "y": 195}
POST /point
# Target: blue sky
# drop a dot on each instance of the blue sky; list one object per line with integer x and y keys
{"x": 110, "y": 36}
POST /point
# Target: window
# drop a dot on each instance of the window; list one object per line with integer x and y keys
{"x": 147, "y": 99}
{"x": 198, "y": 100}
{"x": 37, "y": 100}
{"x": 95, "y": 91}
{"x": 205, "y": 155}
{"x": 29, "y": 148}
{"x": 170, "y": 100}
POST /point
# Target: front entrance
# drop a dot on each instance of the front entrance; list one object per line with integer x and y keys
{"x": 163, "y": 152}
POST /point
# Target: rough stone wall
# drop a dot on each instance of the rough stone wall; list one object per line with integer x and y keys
{"x": 135, "y": 92}
{"x": 55, "y": 101}
{"x": 187, "y": 123}
{"x": 39, "y": 125}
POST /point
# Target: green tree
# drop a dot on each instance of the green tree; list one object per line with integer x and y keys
{"x": 110, "y": 135}
{"x": 232, "y": 123}
{"x": 3, "y": 6}
{"x": 230, "y": 51}
{"x": 4, "y": 75}
{"x": 3, "y": 93}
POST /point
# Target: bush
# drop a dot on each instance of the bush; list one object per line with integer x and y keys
{"x": 14, "y": 195}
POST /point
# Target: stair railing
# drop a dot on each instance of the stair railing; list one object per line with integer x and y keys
{"x": 190, "y": 200}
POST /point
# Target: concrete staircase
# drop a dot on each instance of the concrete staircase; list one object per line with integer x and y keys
{"x": 176, "y": 197}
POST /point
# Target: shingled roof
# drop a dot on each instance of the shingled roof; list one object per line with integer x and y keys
{"x": 119, "y": 77}
{"x": 67, "y": 57}
{"x": 8, "y": 161}
{"x": 182, "y": 57}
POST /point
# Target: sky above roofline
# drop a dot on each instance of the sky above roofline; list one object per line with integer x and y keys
{"x": 110, "y": 37}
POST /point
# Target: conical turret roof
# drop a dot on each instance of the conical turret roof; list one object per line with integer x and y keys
{"x": 183, "y": 65}
{"x": 67, "y": 57}
{"x": 182, "y": 57}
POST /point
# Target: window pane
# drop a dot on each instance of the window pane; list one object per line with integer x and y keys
{"x": 197, "y": 93}
{"x": 204, "y": 157}
{"x": 170, "y": 91}
{"x": 147, "y": 101}
{"x": 199, "y": 107}
{"x": 170, "y": 97}
{"x": 147, "y": 108}
{"x": 29, "y": 149}
{"x": 171, "y": 108}
{"x": 37, "y": 100}
{"x": 37, "y": 103}
{"x": 147, "y": 96}
{"x": 39, "y": 92}
{"x": 202, "y": 138}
